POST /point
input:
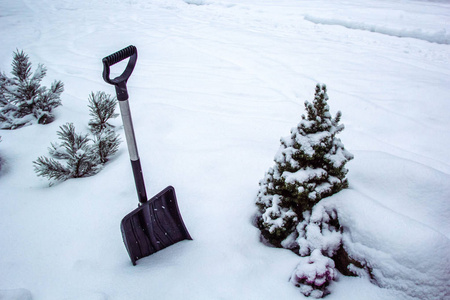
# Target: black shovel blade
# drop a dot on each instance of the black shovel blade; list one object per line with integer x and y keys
{"x": 153, "y": 226}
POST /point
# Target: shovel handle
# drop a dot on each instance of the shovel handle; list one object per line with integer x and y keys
{"x": 120, "y": 82}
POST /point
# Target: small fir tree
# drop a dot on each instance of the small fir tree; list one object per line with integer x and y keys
{"x": 23, "y": 99}
{"x": 309, "y": 166}
{"x": 84, "y": 154}
{"x": 102, "y": 108}
{"x": 78, "y": 152}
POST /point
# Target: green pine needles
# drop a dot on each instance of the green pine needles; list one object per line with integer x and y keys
{"x": 309, "y": 166}
{"x": 83, "y": 154}
{"x": 22, "y": 98}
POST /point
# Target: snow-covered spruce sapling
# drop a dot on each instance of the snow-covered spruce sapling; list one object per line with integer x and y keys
{"x": 22, "y": 98}
{"x": 309, "y": 166}
{"x": 78, "y": 152}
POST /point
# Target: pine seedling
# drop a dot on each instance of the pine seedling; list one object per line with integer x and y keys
{"x": 84, "y": 153}
{"x": 101, "y": 108}
{"x": 78, "y": 152}
{"x": 23, "y": 99}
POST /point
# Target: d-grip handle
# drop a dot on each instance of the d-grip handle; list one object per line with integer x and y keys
{"x": 120, "y": 82}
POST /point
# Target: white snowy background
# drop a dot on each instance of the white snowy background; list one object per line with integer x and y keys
{"x": 217, "y": 83}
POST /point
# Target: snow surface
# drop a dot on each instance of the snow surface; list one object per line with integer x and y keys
{"x": 217, "y": 83}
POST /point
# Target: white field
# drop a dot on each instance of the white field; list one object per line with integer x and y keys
{"x": 217, "y": 83}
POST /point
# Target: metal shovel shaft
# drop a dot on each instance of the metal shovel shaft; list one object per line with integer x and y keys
{"x": 132, "y": 150}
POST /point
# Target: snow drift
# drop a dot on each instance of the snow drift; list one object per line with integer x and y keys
{"x": 400, "y": 234}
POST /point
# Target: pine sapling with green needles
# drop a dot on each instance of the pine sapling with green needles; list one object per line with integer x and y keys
{"x": 22, "y": 98}
{"x": 102, "y": 108}
{"x": 78, "y": 152}
{"x": 84, "y": 154}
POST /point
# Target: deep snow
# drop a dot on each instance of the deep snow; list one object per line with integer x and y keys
{"x": 216, "y": 85}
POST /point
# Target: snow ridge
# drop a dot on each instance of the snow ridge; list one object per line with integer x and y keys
{"x": 439, "y": 37}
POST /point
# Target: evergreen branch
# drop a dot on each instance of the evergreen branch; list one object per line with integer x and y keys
{"x": 107, "y": 144}
{"x": 4, "y": 82}
{"x": 102, "y": 108}
{"x": 71, "y": 141}
{"x": 84, "y": 163}
{"x": 57, "y": 151}
{"x": 21, "y": 66}
{"x": 39, "y": 73}
{"x": 50, "y": 168}
{"x": 57, "y": 88}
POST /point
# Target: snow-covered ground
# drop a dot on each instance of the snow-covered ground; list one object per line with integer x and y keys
{"x": 217, "y": 83}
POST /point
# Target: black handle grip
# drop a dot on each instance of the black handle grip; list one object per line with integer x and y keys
{"x": 120, "y": 55}
{"x": 120, "y": 81}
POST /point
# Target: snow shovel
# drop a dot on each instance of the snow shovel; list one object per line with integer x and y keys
{"x": 156, "y": 223}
